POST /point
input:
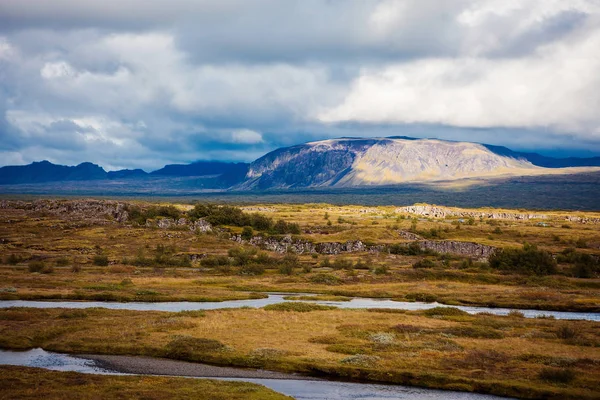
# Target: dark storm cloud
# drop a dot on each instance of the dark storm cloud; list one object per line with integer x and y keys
{"x": 134, "y": 83}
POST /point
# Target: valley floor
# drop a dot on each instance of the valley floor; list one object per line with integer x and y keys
{"x": 53, "y": 252}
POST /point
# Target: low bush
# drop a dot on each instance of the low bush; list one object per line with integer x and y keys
{"x": 528, "y": 260}
{"x": 214, "y": 261}
{"x": 13, "y": 259}
{"x": 477, "y": 332}
{"x": 423, "y": 264}
{"x": 36, "y": 266}
{"x": 325, "y": 279}
{"x": 298, "y": 307}
{"x": 289, "y": 262}
{"x": 444, "y": 312}
{"x": 62, "y": 262}
{"x": 189, "y": 348}
{"x": 342, "y": 263}
{"x": 556, "y": 375}
{"x": 413, "y": 249}
{"x": 100, "y": 260}
{"x": 380, "y": 270}
{"x": 425, "y": 297}
{"x": 566, "y": 331}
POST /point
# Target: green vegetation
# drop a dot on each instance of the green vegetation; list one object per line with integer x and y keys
{"x": 528, "y": 260}
{"x": 539, "y": 266}
{"x": 34, "y": 383}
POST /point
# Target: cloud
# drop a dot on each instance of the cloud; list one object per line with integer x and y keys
{"x": 246, "y": 136}
{"x": 132, "y": 83}
{"x": 557, "y": 87}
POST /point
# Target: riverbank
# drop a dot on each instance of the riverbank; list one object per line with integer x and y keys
{"x": 441, "y": 348}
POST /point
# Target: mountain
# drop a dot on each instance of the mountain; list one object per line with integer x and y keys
{"x": 547, "y": 162}
{"x": 349, "y": 162}
{"x": 213, "y": 174}
{"x": 225, "y": 173}
{"x": 344, "y": 162}
{"x": 45, "y": 171}
{"x": 127, "y": 174}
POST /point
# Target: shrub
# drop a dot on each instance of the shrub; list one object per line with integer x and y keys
{"x": 76, "y": 268}
{"x": 423, "y": 264}
{"x": 289, "y": 262}
{"x": 36, "y": 266}
{"x": 242, "y": 256}
{"x": 478, "y": 332}
{"x": 325, "y": 279}
{"x": 528, "y": 260}
{"x": 342, "y": 263}
{"x": 48, "y": 269}
{"x": 298, "y": 307}
{"x": 252, "y": 269}
{"x": 413, "y": 249}
{"x": 361, "y": 360}
{"x": 556, "y": 375}
{"x": 444, "y": 312}
{"x": 13, "y": 259}
{"x": 100, "y": 260}
{"x": 566, "y": 331}
{"x": 425, "y": 297}
{"x": 516, "y": 314}
{"x": 214, "y": 261}
{"x": 380, "y": 270}
{"x": 247, "y": 233}
{"x": 186, "y": 347}
{"x": 325, "y": 263}
{"x": 62, "y": 262}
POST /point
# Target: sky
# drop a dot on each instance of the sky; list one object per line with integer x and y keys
{"x": 141, "y": 84}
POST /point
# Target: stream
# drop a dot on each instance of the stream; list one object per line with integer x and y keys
{"x": 274, "y": 298}
{"x": 300, "y": 389}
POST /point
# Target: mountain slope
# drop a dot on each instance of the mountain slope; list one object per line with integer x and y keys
{"x": 381, "y": 161}
{"x": 45, "y": 171}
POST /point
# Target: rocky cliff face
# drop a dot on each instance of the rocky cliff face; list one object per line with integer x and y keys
{"x": 89, "y": 210}
{"x": 384, "y": 161}
{"x": 301, "y": 246}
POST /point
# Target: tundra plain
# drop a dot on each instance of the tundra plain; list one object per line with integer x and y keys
{"x": 107, "y": 250}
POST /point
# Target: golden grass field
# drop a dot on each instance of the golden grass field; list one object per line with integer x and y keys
{"x": 514, "y": 356}
{"x": 34, "y": 383}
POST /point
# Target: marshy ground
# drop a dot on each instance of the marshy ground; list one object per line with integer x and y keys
{"x": 55, "y": 256}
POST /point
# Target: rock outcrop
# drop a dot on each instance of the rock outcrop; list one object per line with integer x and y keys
{"x": 89, "y": 210}
{"x": 468, "y": 249}
{"x": 444, "y": 212}
{"x": 301, "y": 246}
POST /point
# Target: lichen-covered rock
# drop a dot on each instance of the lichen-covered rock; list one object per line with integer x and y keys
{"x": 201, "y": 226}
{"x": 468, "y": 249}
{"x": 444, "y": 212}
{"x": 301, "y": 246}
{"x": 409, "y": 235}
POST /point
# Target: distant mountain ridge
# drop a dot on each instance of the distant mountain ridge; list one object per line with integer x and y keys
{"x": 344, "y": 162}
{"x": 351, "y": 162}
{"x": 221, "y": 174}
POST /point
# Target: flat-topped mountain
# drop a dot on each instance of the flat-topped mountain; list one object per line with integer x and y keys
{"x": 351, "y": 162}
{"x": 345, "y": 162}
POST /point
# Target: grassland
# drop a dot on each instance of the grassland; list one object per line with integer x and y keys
{"x": 34, "y": 383}
{"x": 75, "y": 258}
{"x": 441, "y": 348}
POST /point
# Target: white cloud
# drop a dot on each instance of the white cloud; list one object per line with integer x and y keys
{"x": 54, "y": 70}
{"x": 556, "y": 87}
{"x": 246, "y": 136}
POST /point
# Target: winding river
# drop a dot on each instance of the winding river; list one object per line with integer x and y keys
{"x": 274, "y": 298}
{"x": 301, "y": 389}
